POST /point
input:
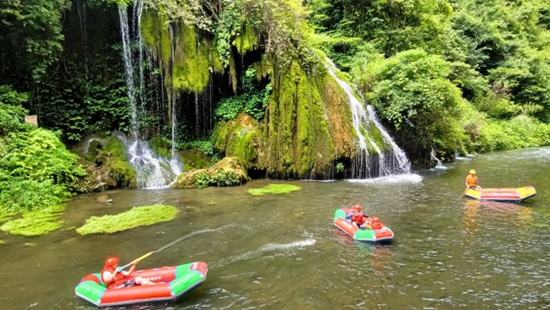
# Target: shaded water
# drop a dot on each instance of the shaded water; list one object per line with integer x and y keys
{"x": 282, "y": 251}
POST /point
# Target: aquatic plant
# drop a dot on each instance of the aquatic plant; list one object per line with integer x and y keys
{"x": 35, "y": 223}
{"x": 135, "y": 217}
{"x": 273, "y": 189}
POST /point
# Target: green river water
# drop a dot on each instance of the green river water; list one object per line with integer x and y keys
{"x": 283, "y": 252}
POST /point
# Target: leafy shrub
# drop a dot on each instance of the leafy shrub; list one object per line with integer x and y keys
{"x": 11, "y": 112}
{"x": 251, "y": 101}
{"x": 226, "y": 177}
{"x": 36, "y": 170}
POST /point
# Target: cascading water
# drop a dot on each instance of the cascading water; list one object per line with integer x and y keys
{"x": 153, "y": 171}
{"x": 438, "y": 164}
{"x": 380, "y": 162}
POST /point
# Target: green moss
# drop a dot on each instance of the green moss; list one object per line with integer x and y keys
{"x": 161, "y": 146}
{"x": 227, "y": 172}
{"x": 135, "y": 217}
{"x": 238, "y": 138}
{"x": 233, "y": 74}
{"x": 35, "y": 223}
{"x": 262, "y": 68}
{"x": 339, "y": 118}
{"x": 297, "y": 134}
{"x": 191, "y": 65}
{"x": 273, "y": 189}
{"x": 114, "y": 158}
{"x": 215, "y": 60}
{"x": 195, "y": 159}
{"x": 5, "y": 216}
{"x": 246, "y": 41}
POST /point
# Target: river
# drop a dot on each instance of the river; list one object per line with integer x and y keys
{"x": 283, "y": 252}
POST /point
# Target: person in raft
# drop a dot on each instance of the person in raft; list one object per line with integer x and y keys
{"x": 115, "y": 278}
{"x": 358, "y": 218}
{"x": 471, "y": 180}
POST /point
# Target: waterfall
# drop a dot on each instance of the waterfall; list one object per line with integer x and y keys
{"x": 438, "y": 164}
{"x": 380, "y": 162}
{"x": 152, "y": 170}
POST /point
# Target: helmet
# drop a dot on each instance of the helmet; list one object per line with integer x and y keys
{"x": 472, "y": 171}
{"x": 357, "y": 208}
{"x": 111, "y": 262}
{"x": 376, "y": 220}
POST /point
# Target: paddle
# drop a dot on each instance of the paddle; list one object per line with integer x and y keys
{"x": 137, "y": 260}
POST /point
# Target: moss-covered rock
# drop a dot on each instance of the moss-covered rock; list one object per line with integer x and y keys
{"x": 135, "y": 217}
{"x": 298, "y": 141}
{"x": 227, "y": 172}
{"x": 238, "y": 138}
{"x": 194, "y": 158}
{"x": 115, "y": 162}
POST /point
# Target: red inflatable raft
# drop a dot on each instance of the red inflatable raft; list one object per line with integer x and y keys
{"x": 380, "y": 233}
{"x": 171, "y": 283}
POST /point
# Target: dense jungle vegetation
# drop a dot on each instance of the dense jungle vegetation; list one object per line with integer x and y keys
{"x": 454, "y": 76}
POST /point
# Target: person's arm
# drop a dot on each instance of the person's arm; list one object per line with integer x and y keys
{"x": 109, "y": 276}
{"x": 130, "y": 271}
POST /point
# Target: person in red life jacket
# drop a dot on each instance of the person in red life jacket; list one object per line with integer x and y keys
{"x": 376, "y": 224}
{"x": 358, "y": 218}
{"x": 471, "y": 180}
{"x": 115, "y": 278}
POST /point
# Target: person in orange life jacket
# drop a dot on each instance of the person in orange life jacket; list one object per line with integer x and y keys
{"x": 471, "y": 180}
{"x": 115, "y": 278}
{"x": 358, "y": 218}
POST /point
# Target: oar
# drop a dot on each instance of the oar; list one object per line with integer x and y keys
{"x": 463, "y": 193}
{"x": 137, "y": 260}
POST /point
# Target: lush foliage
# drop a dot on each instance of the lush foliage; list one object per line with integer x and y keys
{"x": 31, "y": 36}
{"x": 412, "y": 90}
{"x": 135, "y": 217}
{"x": 492, "y": 55}
{"x": 251, "y": 101}
{"x": 273, "y": 189}
{"x": 36, "y": 170}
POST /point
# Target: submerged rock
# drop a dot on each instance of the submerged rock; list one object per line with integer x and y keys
{"x": 104, "y": 198}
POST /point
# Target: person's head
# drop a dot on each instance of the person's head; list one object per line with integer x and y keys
{"x": 111, "y": 262}
{"x": 472, "y": 171}
{"x": 356, "y": 208}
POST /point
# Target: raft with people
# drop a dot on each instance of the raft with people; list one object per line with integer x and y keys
{"x": 372, "y": 231}
{"x": 168, "y": 283}
{"x": 501, "y": 194}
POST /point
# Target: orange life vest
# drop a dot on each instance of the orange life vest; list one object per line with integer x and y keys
{"x": 116, "y": 281}
{"x": 358, "y": 218}
{"x": 471, "y": 180}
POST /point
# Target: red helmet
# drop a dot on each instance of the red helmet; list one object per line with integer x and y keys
{"x": 356, "y": 208}
{"x": 111, "y": 262}
{"x": 376, "y": 220}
